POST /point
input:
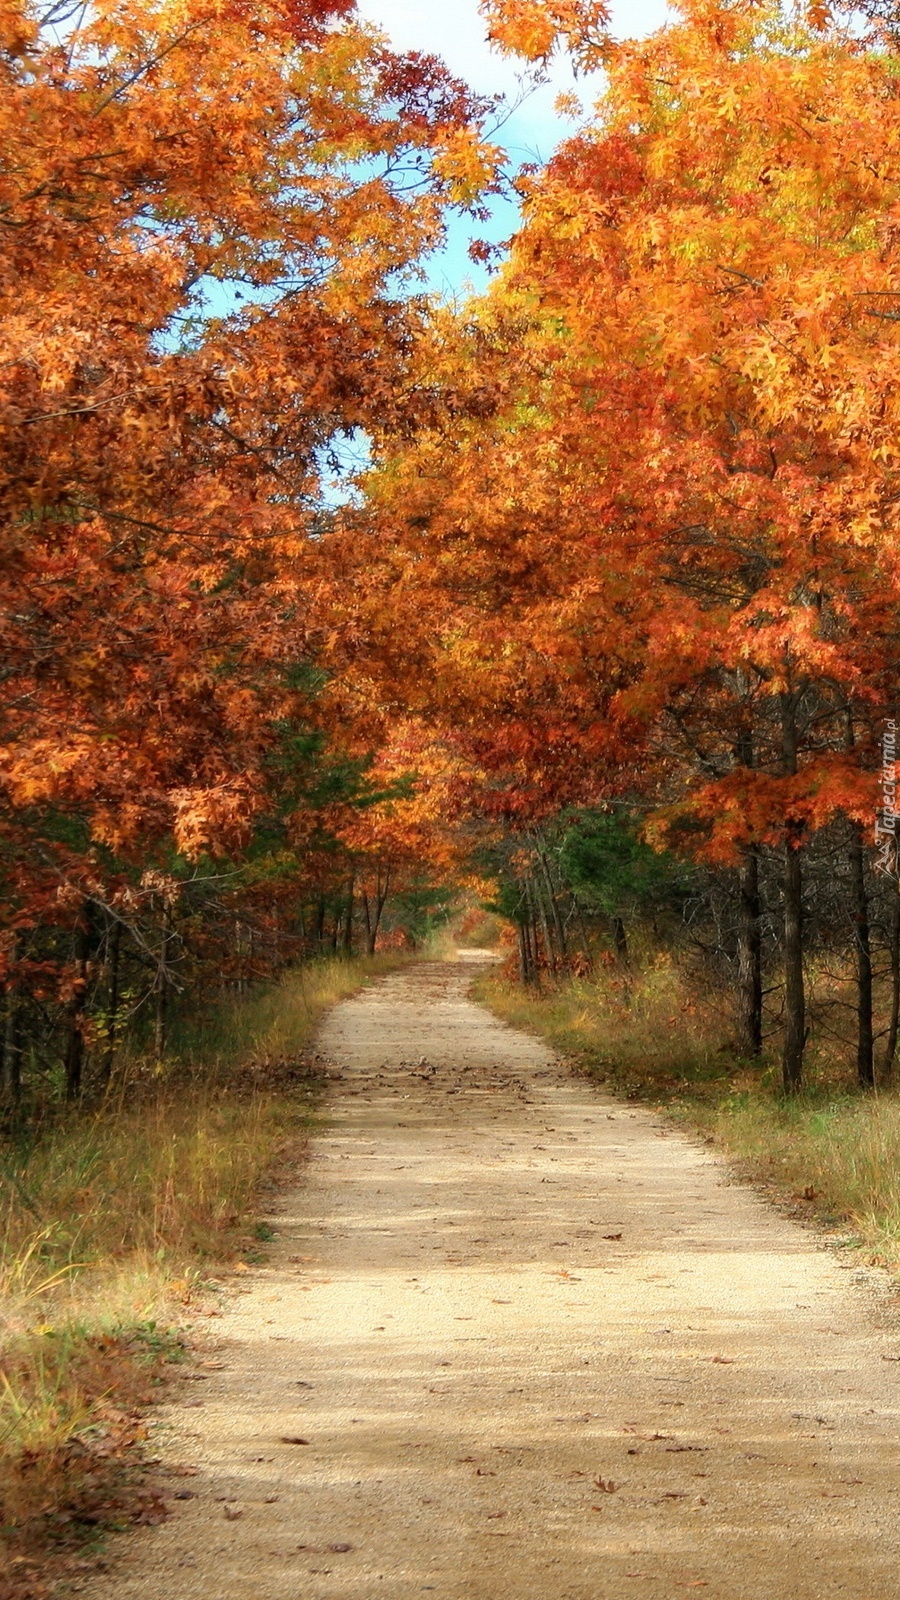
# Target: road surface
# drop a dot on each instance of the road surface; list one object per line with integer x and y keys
{"x": 518, "y": 1341}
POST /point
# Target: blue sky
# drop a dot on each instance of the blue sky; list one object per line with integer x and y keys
{"x": 455, "y": 31}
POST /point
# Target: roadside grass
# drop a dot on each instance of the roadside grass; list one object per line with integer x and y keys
{"x": 831, "y": 1152}
{"x": 111, "y": 1223}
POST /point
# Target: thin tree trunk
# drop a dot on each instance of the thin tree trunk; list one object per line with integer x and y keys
{"x": 554, "y": 907}
{"x": 161, "y": 1016}
{"x": 74, "y": 1057}
{"x": 549, "y": 943}
{"x": 890, "y": 1049}
{"x": 161, "y": 1020}
{"x": 749, "y": 956}
{"x": 383, "y": 888}
{"x": 370, "y": 935}
{"x": 348, "y": 926}
{"x": 620, "y": 939}
{"x": 321, "y": 911}
{"x": 859, "y": 901}
{"x": 749, "y": 950}
{"x": 523, "y": 953}
{"x": 532, "y": 933}
{"x": 527, "y": 951}
{"x": 865, "y": 1046}
{"x": 11, "y": 1078}
{"x": 381, "y": 893}
{"x": 115, "y": 951}
{"x": 794, "y": 990}
{"x": 582, "y": 929}
{"x": 14, "y": 1049}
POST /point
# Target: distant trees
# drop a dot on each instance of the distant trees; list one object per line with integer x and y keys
{"x": 664, "y": 560}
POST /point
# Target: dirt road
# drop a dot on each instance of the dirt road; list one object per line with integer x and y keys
{"x": 516, "y": 1340}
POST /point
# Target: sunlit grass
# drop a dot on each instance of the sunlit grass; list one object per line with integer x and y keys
{"x": 830, "y": 1151}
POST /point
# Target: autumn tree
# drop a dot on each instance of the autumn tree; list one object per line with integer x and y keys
{"x": 663, "y": 566}
{"x": 206, "y": 216}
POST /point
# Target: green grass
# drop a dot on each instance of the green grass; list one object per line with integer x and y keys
{"x": 830, "y": 1152}
{"x": 110, "y": 1223}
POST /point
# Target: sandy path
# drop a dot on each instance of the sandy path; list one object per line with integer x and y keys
{"x": 537, "y": 1346}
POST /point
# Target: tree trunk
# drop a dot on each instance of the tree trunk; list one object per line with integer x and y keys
{"x": 161, "y": 1020}
{"x": 74, "y": 1057}
{"x": 526, "y": 971}
{"x": 582, "y": 929}
{"x": 348, "y": 925}
{"x": 11, "y": 1079}
{"x": 890, "y": 1049}
{"x": 620, "y": 939}
{"x": 794, "y": 990}
{"x": 749, "y": 956}
{"x": 115, "y": 951}
{"x": 865, "y": 1045}
{"x": 549, "y": 943}
{"x": 321, "y": 911}
{"x": 558, "y": 926}
{"x": 527, "y": 947}
{"x": 381, "y": 893}
{"x": 533, "y": 934}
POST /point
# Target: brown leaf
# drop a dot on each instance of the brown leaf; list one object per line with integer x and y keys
{"x": 293, "y": 1438}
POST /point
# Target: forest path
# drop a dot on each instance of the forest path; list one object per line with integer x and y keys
{"x": 517, "y": 1340}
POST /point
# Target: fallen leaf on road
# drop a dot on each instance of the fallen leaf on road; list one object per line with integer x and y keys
{"x": 340, "y": 1549}
{"x": 606, "y": 1485}
{"x": 293, "y": 1438}
{"x": 232, "y": 1513}
{"x": 724, "y": 1361}
{"x": 612, "y": 1236}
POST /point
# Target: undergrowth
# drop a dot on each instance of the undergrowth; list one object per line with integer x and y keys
{"x": 654, "y": 1035}
{"x": 111, "y": 1222}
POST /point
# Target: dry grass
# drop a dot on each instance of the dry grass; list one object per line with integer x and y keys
{"x": 830, "y": 1152}
{"x": 111, "y": 1222}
